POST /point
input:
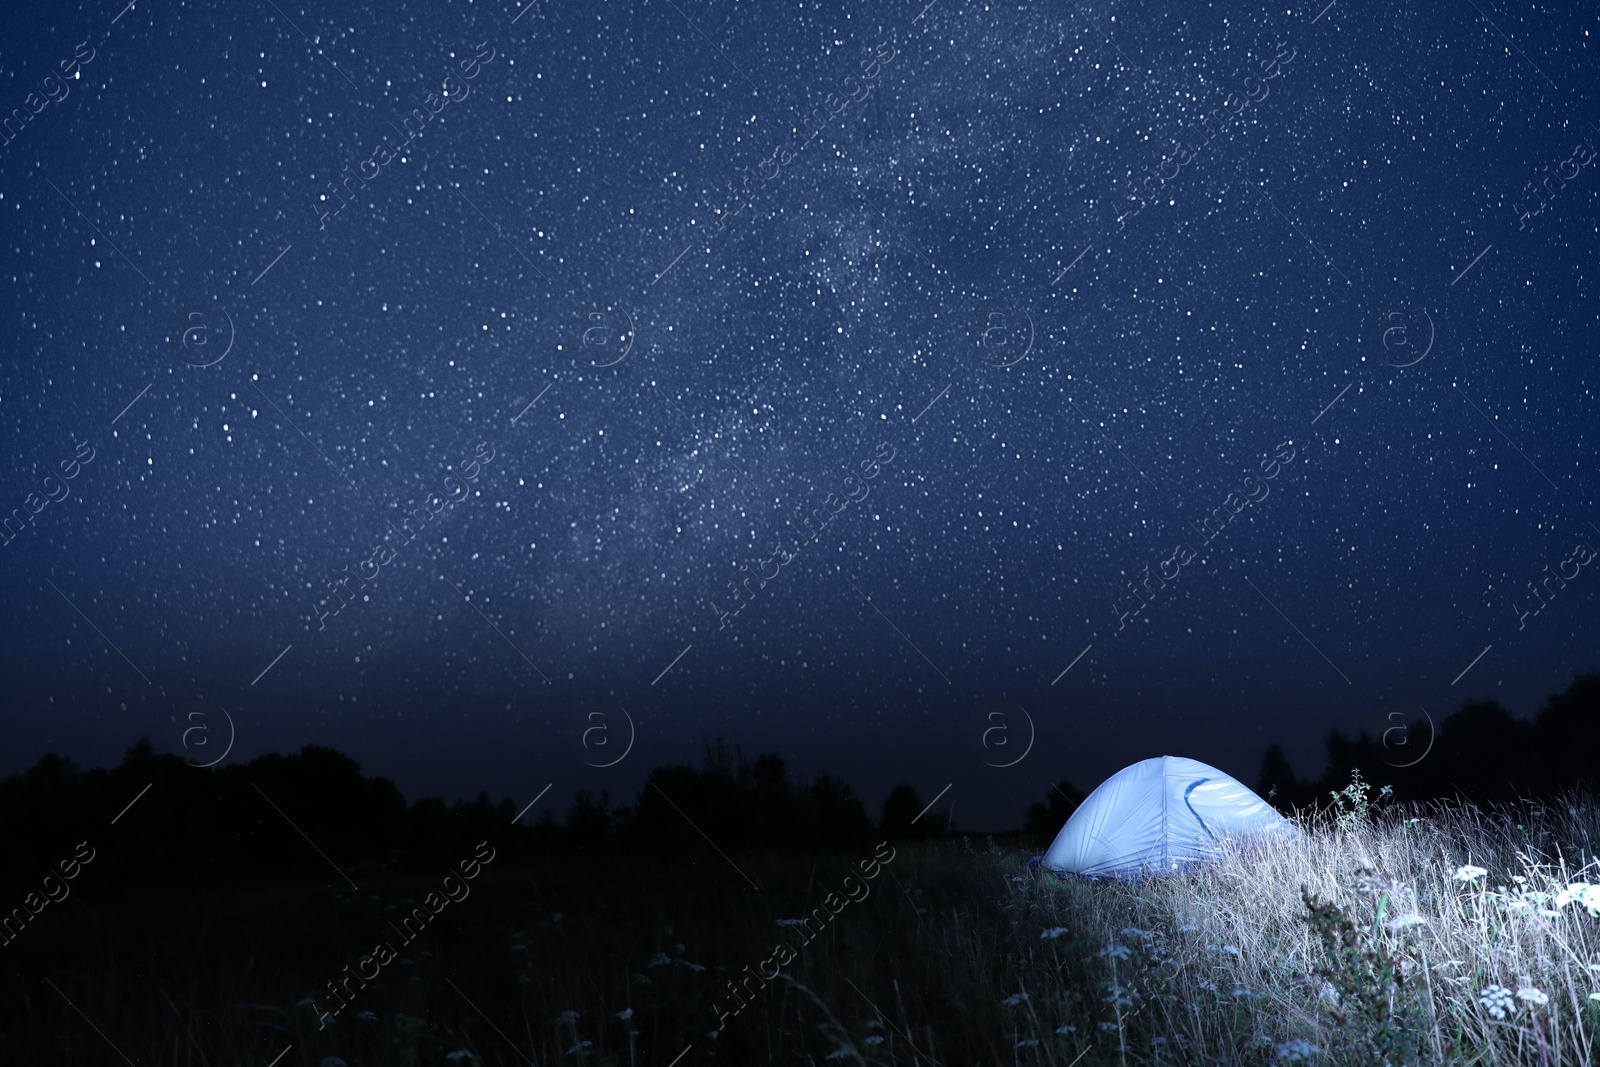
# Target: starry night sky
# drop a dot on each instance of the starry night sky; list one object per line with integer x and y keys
{"x": 1039, "y": 293}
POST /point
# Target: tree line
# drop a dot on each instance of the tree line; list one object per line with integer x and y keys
{"x": 313, "y": 813}
{"x": 1481, "y": 752}
{"x": 305, "y": 814}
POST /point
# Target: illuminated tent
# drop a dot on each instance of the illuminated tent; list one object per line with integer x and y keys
{"x": 1159, "y": 815}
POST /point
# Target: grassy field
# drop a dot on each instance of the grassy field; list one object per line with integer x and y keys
{"x": 1445, "y": 935}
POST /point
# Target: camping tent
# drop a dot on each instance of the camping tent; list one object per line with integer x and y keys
{"x": 1159, "y": 815}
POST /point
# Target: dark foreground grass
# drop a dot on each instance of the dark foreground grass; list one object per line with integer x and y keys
{"x": 602, "y": 960}
{"x": 1359, "y": 945}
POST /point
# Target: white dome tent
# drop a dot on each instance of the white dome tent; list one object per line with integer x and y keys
{"x": 1159, "y": 815}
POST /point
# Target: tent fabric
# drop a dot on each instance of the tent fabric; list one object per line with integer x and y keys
{"x": 1159, "y": 815}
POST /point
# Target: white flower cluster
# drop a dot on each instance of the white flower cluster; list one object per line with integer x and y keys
{"x": 1497, "y": 1000}
{"x": 1295, "y": 1051}
{"x": 1532, "y": 996}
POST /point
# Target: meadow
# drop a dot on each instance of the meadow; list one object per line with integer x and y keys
{"x": 1418, "y": 934}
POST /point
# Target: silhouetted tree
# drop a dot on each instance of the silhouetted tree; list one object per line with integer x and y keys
{"x": 771, "y": 802}
{"x": 679, "y": 803}
{"x": 899, "y": 822}
{"x": 589, "y": 822}
{"x": 1044, "y": 821}
{"x": 1277, "y": 784}
{"x": 1569, "y": 732}
{"x": 738, "y": 802}
{"x": 831, "y": 816}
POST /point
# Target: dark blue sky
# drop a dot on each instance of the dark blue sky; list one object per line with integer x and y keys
{"x": 1178, "y": 378}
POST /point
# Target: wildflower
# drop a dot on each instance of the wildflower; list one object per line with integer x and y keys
{"x": 568, "y": 1016}
{"x": 625, "y": 1013}
{"x": 332, "y": 1061}
{"x": 1533, "y": 996}
{"x": 579, "y": 1047}
{"x": 1581, "y": 893}
{"x": 1295, "y": 1050}
{"x": 1053, "y": 932}
{"x": 877, "y": 1039}
{"x": 1204, "y": 984}
{"x": 1187, "y": 928}
{"x": 1134, "y": 931}
{"x": 1026, "y": 1042}
{"x": 1469, "y": 873}
{"x": 463, "y": 1055}
{"x": 660, "y": 959}
{"x": 1409, "y": 919}
{"x": 1068, "y": 1028}
{"x": 1014, "y": 999}
{"x": 1230, "y": 949}
{"x": 1119, "y": 952}
{"x": 840, "y": 1053}
{"x": 1106, "y": 1028}
{"x": 1497, "y": 1000}
{"x": 692, "y": 966}
{"x": 366, "y": 1016}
